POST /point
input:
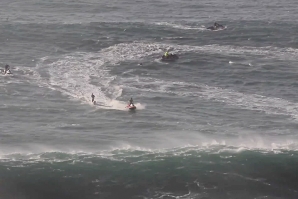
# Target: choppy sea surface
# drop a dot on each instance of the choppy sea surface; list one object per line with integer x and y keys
{"x": 218, "y": 123}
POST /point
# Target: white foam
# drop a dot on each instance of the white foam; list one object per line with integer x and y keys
{"x": 140, "y": 106}
{"x": 73, "y": 74}
{"x": 269, "y": 105}
{"x": 25, "y": 155}
{"x": 80, "y": 74}
{"x": 137, "y": 50}
{"x": 180, "y": 26}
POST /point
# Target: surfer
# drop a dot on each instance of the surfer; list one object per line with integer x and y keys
{"x": 92, "y": 96}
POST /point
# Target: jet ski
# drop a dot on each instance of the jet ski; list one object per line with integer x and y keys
{"x": 216, "y": 27}
{"x": 131, "y": 107}
{"x": 8, "y": 72}
{"x": 170, "y": 57}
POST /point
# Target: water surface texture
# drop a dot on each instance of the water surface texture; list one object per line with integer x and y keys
{"x": 218, "y": 123}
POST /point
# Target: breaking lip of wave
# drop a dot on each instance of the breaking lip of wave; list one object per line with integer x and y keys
{"x": 124, "y": 151}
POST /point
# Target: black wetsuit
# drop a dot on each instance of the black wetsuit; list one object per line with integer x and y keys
{"x": 92, "y": 96}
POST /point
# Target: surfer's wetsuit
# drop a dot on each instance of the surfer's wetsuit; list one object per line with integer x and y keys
{"x": 92, "y": 96}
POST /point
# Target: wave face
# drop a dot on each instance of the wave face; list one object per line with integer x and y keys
{"x": 177, "y": 173}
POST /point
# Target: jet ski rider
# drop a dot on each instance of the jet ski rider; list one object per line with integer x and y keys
{"x": 131, "y": 102}
{"x": 166, "y": 54}
{"x": 6, "y": 68}
{"x": 216, "y": 25}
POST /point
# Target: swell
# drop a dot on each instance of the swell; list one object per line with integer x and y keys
{"x": 181, "y": 173}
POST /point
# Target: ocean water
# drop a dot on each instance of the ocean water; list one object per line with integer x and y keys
{"x": 218, "y": 123}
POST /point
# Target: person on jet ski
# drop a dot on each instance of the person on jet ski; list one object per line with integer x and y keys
{"x": 7, "y": 68}
{"x": 216, "y": 25}
{"x": 131, "y": 102}
{"x": 92, "y": 96}
{"x": 166, "y": 54}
